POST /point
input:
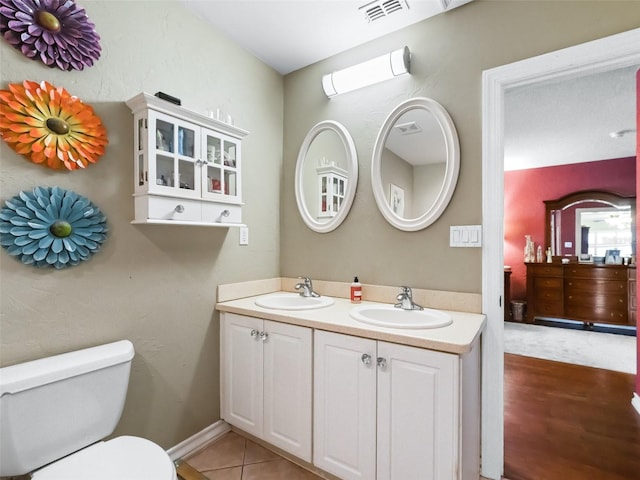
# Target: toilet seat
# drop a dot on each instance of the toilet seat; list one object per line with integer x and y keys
{"x": 122, "y": 458}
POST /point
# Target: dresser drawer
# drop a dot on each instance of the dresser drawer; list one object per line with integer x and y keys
{"x": 549, "y": 309}
{"x": 610, "y": 302}
{"x": 596, "y": 314}
{"x": 585, "y": 288}
{"x": 548, "y": 283}
{"x": 548, "y": 295}
{"x": 545, "y": 270}
{"x": 592, "y": 272}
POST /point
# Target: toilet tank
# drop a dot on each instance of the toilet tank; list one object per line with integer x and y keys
{"x": 57, "y": 405}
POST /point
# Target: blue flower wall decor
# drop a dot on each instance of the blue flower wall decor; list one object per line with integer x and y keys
{"x": 51, "y": 227}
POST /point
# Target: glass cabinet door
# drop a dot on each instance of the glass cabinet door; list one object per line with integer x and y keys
{"x": 175, "y": 154}
{"x": 221, "y": 169}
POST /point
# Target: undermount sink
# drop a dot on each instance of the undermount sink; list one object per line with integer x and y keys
{"x": 292, "y": 301}
{"x": 392, "y": 317}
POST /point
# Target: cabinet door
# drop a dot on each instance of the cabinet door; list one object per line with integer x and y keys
{"x": 174, "y": 151}
{"x": 417, "y": 414}
{"x": 344, "y": 441}
{"x": 287, "y": 388}
{"x": 220, "y": 174}
{"x": 241, "y": 372}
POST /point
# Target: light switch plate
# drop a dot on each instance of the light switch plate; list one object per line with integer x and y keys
{"x": 465, "y": 236}
{"x": 244, "y": 235}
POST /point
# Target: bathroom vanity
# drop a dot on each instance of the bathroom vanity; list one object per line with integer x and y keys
{"x": 358, "y": 401}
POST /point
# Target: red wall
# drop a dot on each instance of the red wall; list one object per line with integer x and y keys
{"x": 637, "y": 223}
{"x": 526, "y": 190}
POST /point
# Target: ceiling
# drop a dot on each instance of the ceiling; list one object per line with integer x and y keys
{"x": 292, "y": 34}
{"x": 570, "y": 121}
{"x": 550, "y": 123}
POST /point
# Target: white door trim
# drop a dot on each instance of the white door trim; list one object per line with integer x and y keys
{"x": 616, "y": 51}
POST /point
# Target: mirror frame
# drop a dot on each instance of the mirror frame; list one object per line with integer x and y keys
{"x": 451, "y": 171}
{"x": 571, "y": 199}
{"x": 352, "y": 162}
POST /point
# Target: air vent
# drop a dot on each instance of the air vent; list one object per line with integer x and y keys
{"x": 408, "y": 128}
{"x": 382, "y": 8}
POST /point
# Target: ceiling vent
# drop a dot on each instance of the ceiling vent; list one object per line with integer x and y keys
{"x": 408, "y": 128}
{"x": 382, "y": 8}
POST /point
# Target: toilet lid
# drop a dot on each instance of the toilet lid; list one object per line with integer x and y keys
{"x": 122, "y": 458}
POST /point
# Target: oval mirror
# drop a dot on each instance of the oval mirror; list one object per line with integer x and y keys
{"x": 326, "y": 176}
{"x": 415, "y": 165}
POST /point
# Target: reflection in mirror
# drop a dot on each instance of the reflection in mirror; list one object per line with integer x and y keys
{"x": 591, "y": 222}
{"x": 326, "y": 176}
{"x": 415, "y": 164}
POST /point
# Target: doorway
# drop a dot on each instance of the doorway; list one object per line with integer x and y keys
{"x": 611, "y": 52}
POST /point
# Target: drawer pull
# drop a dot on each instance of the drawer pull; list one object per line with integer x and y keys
{"x": 179, "y": 208}
{"x": 225, "y": 213}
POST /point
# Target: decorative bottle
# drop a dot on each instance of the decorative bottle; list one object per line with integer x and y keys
{"x": 356, "y": 291}
{"x": 529, "y": 250}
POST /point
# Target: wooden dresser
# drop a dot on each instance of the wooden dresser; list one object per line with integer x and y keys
{"x": 592, "y": 293}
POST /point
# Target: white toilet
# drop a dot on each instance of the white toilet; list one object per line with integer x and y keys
{"x": 54, "y": 413}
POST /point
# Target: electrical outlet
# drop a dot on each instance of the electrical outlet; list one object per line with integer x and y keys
{"x": 244, "y": 235}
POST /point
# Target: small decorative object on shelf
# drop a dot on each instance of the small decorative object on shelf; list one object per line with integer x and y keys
{"x": 49, "y": 126}
{"x": 56, "y": 32}
{"x": 51, "y": 227}
{"x": 168, "y": 98}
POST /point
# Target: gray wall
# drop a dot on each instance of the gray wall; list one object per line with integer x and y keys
{"x": 449, "y": 53}
{"x": 154, "y": 285}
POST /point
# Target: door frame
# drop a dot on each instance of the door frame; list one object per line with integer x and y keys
{"x": 615, "y": 51}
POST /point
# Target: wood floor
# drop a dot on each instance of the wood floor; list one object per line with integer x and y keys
{"x": 569, "y": 422}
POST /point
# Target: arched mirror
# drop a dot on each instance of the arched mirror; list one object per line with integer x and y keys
{"x": 415, "y": 164}
{"x": 326, "y": 176}
{"x": 590, "y": 223}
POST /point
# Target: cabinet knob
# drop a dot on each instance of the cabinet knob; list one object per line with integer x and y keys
{"x": 264, "y": 336}
{"x": 382, "y": 362}
{"x": 179, "y": 208}
{"x": 366, "y": 359}
{"x": 225, "y": 213}
{"x": 254, "y": 333}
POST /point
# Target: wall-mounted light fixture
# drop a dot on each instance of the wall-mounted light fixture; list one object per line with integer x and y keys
{"x": 385, "y": 67}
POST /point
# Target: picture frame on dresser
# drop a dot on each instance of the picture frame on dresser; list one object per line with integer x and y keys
{"x": 585, "y": 258}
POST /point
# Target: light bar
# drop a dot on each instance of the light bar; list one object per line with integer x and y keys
{"x": 385, "y": 67}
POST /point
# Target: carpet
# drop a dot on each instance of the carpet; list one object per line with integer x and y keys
{"x": 591, "y": 349}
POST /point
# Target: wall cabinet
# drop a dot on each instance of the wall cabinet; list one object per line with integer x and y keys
{"x": 392, "y": 412}
{"x": 591, "y": 293}
{"x": 266, "y": 376}
{"x": 187, "y": 166}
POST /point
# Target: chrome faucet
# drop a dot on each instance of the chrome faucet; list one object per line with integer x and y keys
{"x": 405, "y": 300}
{"x": 307, "y": 288}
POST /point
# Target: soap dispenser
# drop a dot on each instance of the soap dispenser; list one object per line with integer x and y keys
{"x": 356, "y": 291}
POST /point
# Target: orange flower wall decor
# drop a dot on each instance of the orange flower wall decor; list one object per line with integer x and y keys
{"x": 49, "y": 126}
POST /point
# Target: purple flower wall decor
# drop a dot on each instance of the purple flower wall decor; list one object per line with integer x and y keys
{"x": 57, "y": 32}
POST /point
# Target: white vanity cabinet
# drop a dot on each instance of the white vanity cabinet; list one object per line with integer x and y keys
{"x": 266, "y": 381}
{"x": 391, "y": 412}
{"x": 187, "y": 166}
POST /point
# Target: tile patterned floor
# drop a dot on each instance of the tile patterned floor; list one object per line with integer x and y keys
{"x": 233, "y": 457}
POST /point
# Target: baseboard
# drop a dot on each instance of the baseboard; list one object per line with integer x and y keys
{"x": 199, "y": 440}
{"x": 635, "y": 401}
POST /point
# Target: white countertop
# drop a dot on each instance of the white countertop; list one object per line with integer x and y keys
{"x": 457, "y": 338}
